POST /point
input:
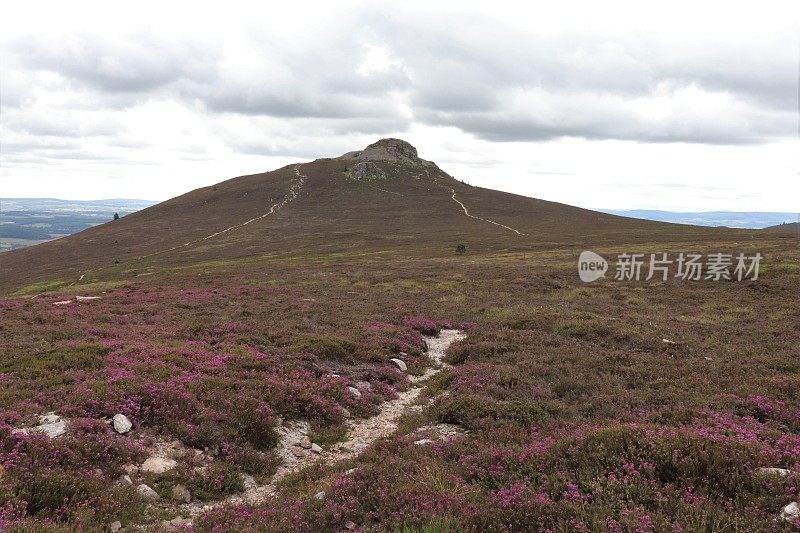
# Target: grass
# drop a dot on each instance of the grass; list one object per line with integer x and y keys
{"x": 577, "y": 416}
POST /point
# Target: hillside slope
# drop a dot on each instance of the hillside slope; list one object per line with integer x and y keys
{"x": 384, "y": 197}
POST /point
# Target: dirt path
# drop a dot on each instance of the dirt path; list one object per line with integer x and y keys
{"x": 294, "y": 191}
{"x": 362, "y": 432}
{"x": 466, "y": 212}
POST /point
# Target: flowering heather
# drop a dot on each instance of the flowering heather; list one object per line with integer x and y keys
{"x": 562, "y": 410}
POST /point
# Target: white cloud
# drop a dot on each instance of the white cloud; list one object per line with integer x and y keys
{"x": 578, "y": 103}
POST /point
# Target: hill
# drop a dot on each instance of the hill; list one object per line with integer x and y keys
{"x": 381, "y": 198}
{"x": 304, "y": 350}
{"x": 730, "y": 219}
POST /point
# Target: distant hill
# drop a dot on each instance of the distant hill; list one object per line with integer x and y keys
{"x": 791, "y": 226}
{"x": 28, "y": 221}
{"x": 729, "y": 219}
{"x": 382, "y": 198}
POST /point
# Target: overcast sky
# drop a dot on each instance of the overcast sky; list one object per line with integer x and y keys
{"x": 667, "y": 105}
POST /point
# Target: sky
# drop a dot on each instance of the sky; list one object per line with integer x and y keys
{"x": 683, "y": 106}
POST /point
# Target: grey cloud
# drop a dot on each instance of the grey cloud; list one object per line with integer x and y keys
{"x": 467, "y": 72}
{"x": 125, "y": 64}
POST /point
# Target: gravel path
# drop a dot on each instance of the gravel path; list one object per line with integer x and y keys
{"x": 362, "y": 432}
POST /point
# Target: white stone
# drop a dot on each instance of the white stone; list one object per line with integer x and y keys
{"x": 422, "y": 442}
{"x": 316, "y": 448}
{"x": 248, "y": 481}
{"x": 115, "y": 526}
{"x": 783, "y": 472}
{"x": 127, "y": 479}
{"x": 63, "y": 302}
{"x": 667, "y": 341}
{"x": 86, "y": 298}
{"x": 158, "y": 465}
{"x": 400, "y": 364}
{"x": 791, "y": 511}
{"x": 147, "y": 493}
{"x": 320, "y": 495}
{"x": 305, "y": 442}
{"x": 51, "y": 425}
{"x": 354, "y": 392}
{"x": 121, "y": 423}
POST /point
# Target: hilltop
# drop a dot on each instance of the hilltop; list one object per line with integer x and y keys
{"x": 382, "y": 198}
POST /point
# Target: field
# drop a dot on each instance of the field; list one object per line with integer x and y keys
{"x": 572, "y": 411}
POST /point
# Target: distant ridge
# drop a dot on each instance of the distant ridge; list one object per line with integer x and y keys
{"x": 730, "y": 219}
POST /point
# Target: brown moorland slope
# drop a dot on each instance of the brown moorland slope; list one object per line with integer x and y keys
{"x": 382, "y": 198}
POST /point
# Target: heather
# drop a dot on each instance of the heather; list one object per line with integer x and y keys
{"x": 572, "y": 412}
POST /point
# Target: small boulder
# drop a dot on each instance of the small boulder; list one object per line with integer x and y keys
{"x": 147, "y": 493}
{"x": 399, "y": 364}
{"x": 115, "y": 526}
{"x": 248, "y": 481}
{"x": 298, "y": 451}
{"x": 316, "y": 448}
{"x": 354, "y": 392}
{"x": 181, "y": 494}
{"x": 131, "y": 469}
{"x": 126, "y": 479}
{"x": 783, "y": 472}
{"x": 305, "y": 442}
{"x": 175, "y": 524}
{"x": 158, "y": 465}
{"x": 50, "y": 424}
{"x": 791, "y": 511}
{"x": 121, "y": 423}
{"x": 320, "y": 495}
{"x": 422, "y": 442}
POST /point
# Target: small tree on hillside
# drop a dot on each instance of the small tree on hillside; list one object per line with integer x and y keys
{"x": 460, "y": 249}
{"x": 116, "y": 216}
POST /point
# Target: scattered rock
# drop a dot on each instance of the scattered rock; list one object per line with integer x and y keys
{"x": 176, "y": 523}
{"x": 316, "y": 448}
{"x": 115, "y": 526}
{"x": 305, "y": 442}
{"x": 147, "y": 493}
{"x": 667, "y": 341}
{"x": 51, "y": 425}
{"x": 363, "y": 385}
{"x": 403, "y": 354}
{"x": 248, "y": 481}
{"x": 86, "y": 298}
{"x": 354, "y": 392}
{"x": 126, "y": 479}
{"x": 298, "y": 451}
{"x": 121, "y": 423}
{"x": 63, "y": 302}
{"x": 131, "y": 469}
{"x": 201, "y": 470}
{"x": 320, "y": 495}
{"x": 158, "y": 465}
{"x": 791, "y": 511}
{"x": 783, "y": 472}
{"x": 422, "y": 442}
{"x": 400, "y": 364}
{"x": 345, "y": 412}
{"x": 707, "y": 358}
{"x": 350, "y": 525}
{"x": 181, "y": 494}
